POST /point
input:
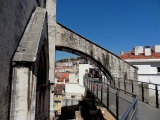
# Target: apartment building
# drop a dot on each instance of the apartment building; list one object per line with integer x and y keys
{"x": 58, "y": 95}
{"x": 147, "y": 60}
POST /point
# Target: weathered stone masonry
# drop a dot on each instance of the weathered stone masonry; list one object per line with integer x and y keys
{"x": 30, "y": 86}
{"x": 51, "y": 15}
{"x": 14, "y": 16}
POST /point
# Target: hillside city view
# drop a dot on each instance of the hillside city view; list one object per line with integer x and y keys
{"x": 67, "y": 75}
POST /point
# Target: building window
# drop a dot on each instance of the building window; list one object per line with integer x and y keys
{"x": 72, "y": 96}
{"x": 158, "y": 69}
{"x": 55, "y": 103}
{"x": 56, "y": 96}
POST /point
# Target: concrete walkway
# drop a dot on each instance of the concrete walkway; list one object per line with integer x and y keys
{"x": 145, "y": 111}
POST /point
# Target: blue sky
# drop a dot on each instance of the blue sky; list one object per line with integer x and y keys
{"x": 116, "y": 25}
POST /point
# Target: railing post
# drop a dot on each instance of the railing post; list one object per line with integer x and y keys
{"x": 132, "y": 87}
{"x": 118, "y": 83}
{"x": 93, "y": 88}
{"x": 142, "y": 91}
{"x": 156, "y": 93}
{"x": 117, "y": 105}
{"x": 101, "y": 93}
{"x": 125, "y": 86}
{"x": 87, "y": 83}
{"x": 91, "y": 85}
{"x": 107, "y": 97}
{"x": 97, "y": 90}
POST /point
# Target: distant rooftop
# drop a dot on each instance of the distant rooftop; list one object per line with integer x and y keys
{"x": 140, "y": 52}
{"x": 58, "y": 89}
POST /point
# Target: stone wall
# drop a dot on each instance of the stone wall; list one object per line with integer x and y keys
{"x": 69, "y": 41}
{"x": 30, "y": 94}
{"x": 14, "y": 16}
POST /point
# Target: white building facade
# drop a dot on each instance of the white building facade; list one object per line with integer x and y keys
{"x": 148, "y": 70}
{"x": 147, "y": 60}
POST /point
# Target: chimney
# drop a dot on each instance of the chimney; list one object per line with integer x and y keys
{"x": 156, "y": 48}
{"x": 147, "y": 51}
{"x": 138, "y": 49}
{"x": 122, "y": 52}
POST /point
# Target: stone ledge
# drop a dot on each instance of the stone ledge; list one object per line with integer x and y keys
{"x": 78, "y": 115}
{"x": 29, "y": 45}
{"x": 106, "y": 115}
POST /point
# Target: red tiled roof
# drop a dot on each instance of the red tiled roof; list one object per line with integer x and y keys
{"x": 65, "y": 74}
{"x": 58, "y": 89}
{"x": 62, "y": 80}
{"x": 131, "y": 55}
{"x": 62, "y": 76}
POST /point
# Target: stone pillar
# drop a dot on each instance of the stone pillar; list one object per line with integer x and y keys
{"x": 23, "y": 94}
{"x": 51, "y": 12}
{"x": 19, "y": 94}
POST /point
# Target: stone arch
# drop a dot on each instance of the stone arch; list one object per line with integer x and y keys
{"x": 110, "y": 63}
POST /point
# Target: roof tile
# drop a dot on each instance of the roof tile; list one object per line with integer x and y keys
{"x": 130, "y": 55}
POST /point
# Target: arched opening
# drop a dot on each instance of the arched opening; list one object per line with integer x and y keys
{"x": 42, "y": 89}
{"x": 67, "y": 106}
{"x": 87, "y": 56}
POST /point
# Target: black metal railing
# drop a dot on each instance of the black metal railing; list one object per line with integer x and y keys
{"x": 147, "y": 92}
{"x": 122, "y": 106}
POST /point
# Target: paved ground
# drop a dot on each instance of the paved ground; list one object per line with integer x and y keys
{"x": 147, "y": 112}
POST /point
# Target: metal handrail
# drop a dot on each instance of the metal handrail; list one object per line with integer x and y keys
{"x": 130, "y": 108}
{"x": 141, "y": 83}
{"x": 138, "y": 81}
{"x": 132, "y": 105}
